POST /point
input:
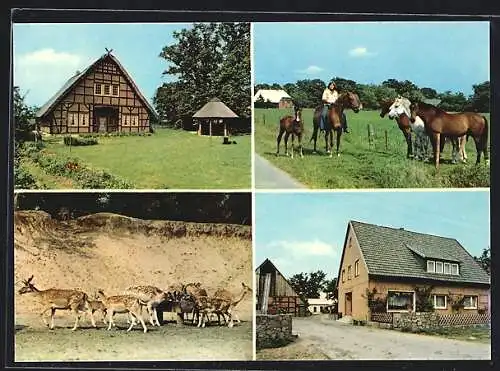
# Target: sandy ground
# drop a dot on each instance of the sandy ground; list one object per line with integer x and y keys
{"x": 67, "y": 255}
{"x": 320, "y": 338}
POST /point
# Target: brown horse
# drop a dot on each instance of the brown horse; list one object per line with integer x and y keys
{"x": 291, "y": 125}
{"x": 438, "y": 122}
{"x": 335, "y": 117}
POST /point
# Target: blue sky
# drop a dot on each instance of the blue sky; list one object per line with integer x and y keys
{"x": 304, "y": 232}
{"x": 46, "y": 55}
{"x": 441, "y": 55}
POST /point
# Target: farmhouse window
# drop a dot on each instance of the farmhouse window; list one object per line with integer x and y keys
{"x": 470, "y": 302}
{"x": 356, "y": 268}
{"x": 115, "y": 90}
{"x": 454, "y": 269}
{"x": 439, "y": 267}
{"x": 431, "y": 266}
{"x": 440, "y": 301}
{"x": 349, "y": 272}
{"x": 72, "y": 119}
{"x": 398, "y": 301}
{"x": 83, "y": 119}
{"x": 135, "y": 120}
{"x": 97, "y": 89}
{"x": 343, "y": 275}
{"x": 106, "y": 89}
{"x": 447, "y": 268}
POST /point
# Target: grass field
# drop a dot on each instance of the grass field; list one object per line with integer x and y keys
{"x": 361, "y": 165}
{"x": 167, "y": 159}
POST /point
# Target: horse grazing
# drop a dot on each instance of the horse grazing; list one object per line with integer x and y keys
{"x": 335, "y": 117}
{"x": 438, "y": 122}
{"x": 291, "y": 125}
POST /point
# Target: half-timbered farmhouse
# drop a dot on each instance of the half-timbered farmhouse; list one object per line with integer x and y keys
{"x": 102, "y": 98}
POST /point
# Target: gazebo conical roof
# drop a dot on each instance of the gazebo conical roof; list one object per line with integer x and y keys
{"x": 214, "y": 109}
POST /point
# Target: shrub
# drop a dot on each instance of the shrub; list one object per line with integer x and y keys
{"x": 99, "y": 179}
{"x": 23, "y": 179}
{"x": 470, "y": 176}
{"x": 79, "y": 141}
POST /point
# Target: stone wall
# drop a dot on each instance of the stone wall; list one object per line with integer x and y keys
{"x": 273, "y": 330}
{"x": 415, "y": 321}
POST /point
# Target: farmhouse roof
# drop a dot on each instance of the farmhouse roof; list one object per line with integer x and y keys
{"x": 400, "y": 253}
{"x": 267, "y": 261}
{"x": 273, "y": 96}
{"x": 215, "y": 109}
{"x": 72, "y": 81}
{"x": 322, "y": 300}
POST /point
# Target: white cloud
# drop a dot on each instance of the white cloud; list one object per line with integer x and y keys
{"x": 360, "y": 52}
{"x": 43, "y": 72}
{"x": 311, "y": 70}
{"x": 306, "y": 248}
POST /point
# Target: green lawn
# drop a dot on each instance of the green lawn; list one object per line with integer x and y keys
{"x": 382, "y": 165}
{"x": 167, "y": 159}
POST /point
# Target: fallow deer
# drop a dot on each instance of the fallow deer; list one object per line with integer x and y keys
{"x": 151, "y": 297}
{"x": 122, "y": 304}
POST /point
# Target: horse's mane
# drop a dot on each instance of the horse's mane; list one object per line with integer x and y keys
{"x": 430, "y": 106}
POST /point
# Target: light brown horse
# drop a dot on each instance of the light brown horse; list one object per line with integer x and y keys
{"x": 291, "y": 125}
{"x": 438, "y": 122}
{"x": 335, "y": 117}
{"x": 403, "y": 122}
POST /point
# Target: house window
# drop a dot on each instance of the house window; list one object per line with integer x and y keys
{"x": 356, "y": 268}
{"x": 349, "y": 272}
{"x": 454, "y": 269}
{"x": 447, "y": 268}
{"x": 314, "y": 309}
{"x": 83, "y": 119}
{"x": 115, "y": 90}
{"x": 398, "y": 301}
{"x": 73, "y": 119}
{"x": 431, "y": 266}
{"x": 470, "y": 302}
{"x": 135, "y": 120}
{"x": 97, "y": 89}
{"x": 106, "y": 89}
{"x": 440, "y": 301}
{"x": 343, "y": 275}
{"x": 439, "y": 267}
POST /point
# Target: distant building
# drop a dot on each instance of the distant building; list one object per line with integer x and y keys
{"x": 278, "y": 98}
{"x": 316, "y": 305}
{"x": 434, "y": 102}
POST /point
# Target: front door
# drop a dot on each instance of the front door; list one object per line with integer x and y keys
{"x": 106, "y": 119}
{"x": 348, "y": 303}
{"x": 102, "y": 124}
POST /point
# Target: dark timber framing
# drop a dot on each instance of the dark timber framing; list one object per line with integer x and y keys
{"x": 75, "y": 108}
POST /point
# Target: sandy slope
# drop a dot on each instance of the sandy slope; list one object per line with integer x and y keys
{"x": 111, "y": 252}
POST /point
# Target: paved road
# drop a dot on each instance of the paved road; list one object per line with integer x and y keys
{"x": 269, "y": 176}
{"x": 343, "y": 341}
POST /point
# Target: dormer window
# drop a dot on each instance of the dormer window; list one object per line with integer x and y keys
{"x": 454, "y": 269}
{"x": 447, "y": 268}
{"x": 439, "y": 267}
{"x": 431, "y": 266}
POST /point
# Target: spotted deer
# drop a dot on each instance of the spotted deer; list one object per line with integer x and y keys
{"x": 122, "y": 304}
{"x": 150, "y": 297}
{"x": 58, "y": 299}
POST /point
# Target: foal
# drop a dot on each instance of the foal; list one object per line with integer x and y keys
{"x": 291, "y": 125}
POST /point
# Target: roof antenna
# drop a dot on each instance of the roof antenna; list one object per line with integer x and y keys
{"x": 108, "y": 51}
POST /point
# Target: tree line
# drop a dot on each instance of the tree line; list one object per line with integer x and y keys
{"x": 209, "y": 60}
{"x": 310, "y": 285}
{"x": 307, "y": 93}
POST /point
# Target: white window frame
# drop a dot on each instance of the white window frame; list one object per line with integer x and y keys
{"x": 439, "y": 264}
{"x": 401, "y": 310}
{"x": 95, "y": 89}
{"x": 433, "y": 264}
{"x": 349, "y": 272}
{"x": 444, "y": 268}
{"x": 475, "y": 301}
{"x": 72, "y": 119}
{"x": 445, "y": 301}
{"x": 458, "y": 269}
{"x": 117, "y": 86}
{"x": 104, "y": 89}
{"x": 356, "y": 268}
{"x": 135, "y": 120}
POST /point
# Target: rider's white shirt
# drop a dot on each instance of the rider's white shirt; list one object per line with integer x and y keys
{"x": 330, "y": 96}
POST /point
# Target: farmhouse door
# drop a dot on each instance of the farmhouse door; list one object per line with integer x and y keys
{"x": 348, "y": 303}
{"x": 102, "y": 124}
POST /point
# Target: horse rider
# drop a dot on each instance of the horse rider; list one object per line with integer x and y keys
{"x": 330, "y": 96}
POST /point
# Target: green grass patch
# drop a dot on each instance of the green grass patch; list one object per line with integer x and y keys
{"x": 382, "y": 164}
{"x": 477, "y": 334}
{"x": 167, "y": 159}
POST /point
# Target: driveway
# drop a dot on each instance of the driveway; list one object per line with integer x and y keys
{"x": 269, "y": 176}
{"x": 338, "y": 340}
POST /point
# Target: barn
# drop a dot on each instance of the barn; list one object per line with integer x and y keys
{"x": 277, "y": 98}
{"x": 280, "y": 297}
{"x": 102, "y": 98}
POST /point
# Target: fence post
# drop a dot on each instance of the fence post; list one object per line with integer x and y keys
{"x": 386, "y": 142}
{"x": 264, "y": 118}
{"x": 371, "y": 134}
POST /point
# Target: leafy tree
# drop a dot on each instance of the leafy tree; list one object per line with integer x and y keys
{"x": 23, "y": 117}
{"x": 345, "y": 84}
{"x": 484, "y": 260}
{"x": 454, "y": 102}
{"x": 257, "y": 87}
{"x": 401, "y": 87}
{"x": 209, "y": 60}
{"x": 429, "y": 93}
{"x": 330, "y": 288}
{"x": 308, "y": 285}
{"x": 480, "y": 100}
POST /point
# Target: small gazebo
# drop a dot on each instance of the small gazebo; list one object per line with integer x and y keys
{"x": 214, "y": 112}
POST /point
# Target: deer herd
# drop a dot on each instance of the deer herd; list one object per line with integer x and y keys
{"x": 189, "y": 298}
